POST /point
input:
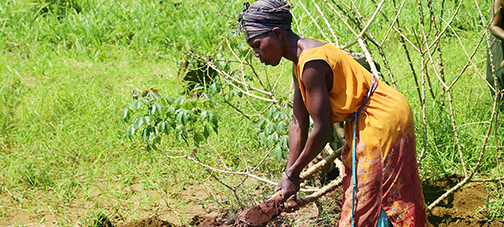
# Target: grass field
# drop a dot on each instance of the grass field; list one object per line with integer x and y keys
{"x": 68, "y": 67}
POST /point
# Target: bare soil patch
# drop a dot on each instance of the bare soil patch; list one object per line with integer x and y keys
{"x": 463, "y": 208}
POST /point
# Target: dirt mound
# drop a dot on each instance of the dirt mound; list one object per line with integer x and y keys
{"x": 155, "y": 221}
{"x": 205, "y": 221}
{"x": 459, "y": 209}
{"x": 150, "y": 222}
{"x": 259, "y": 215}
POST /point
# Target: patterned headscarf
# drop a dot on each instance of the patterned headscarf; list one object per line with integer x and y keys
{"x": 263, "y": 15}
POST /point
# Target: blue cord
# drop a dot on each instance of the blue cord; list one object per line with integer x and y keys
{"x": 354, "y": 169}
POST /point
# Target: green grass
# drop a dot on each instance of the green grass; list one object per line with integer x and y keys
{"x": 67, "y": 72}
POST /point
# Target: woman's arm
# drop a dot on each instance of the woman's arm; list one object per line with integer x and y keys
{"x": 298, "y": 132}
{"x": 318, "y": 106}
{"x": 496, "y": 15}
{"x": 304, "y": 149}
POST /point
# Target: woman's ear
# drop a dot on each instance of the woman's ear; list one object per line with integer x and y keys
{"x": 278, "y": 33}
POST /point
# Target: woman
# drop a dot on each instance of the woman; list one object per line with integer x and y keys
{"x": 330, "y": 87}
{"x": 496, "y": 47}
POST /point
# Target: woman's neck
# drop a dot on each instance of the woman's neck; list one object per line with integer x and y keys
{"x": 296, "y": 46}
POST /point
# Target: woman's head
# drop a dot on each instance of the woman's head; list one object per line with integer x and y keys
{"x": 263, "y": 16}
{"x": 263, "y": 23}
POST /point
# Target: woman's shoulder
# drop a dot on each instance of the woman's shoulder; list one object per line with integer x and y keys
{"x": 319, "y": 50}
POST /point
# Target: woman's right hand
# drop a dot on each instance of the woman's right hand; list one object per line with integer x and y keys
{"x": 289, "y": 187}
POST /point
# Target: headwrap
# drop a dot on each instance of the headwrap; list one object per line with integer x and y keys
{"x": 263, "y": 15}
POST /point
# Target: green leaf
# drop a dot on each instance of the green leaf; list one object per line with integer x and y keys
{"x": 146, "y": 120}
{"x": 162, "y": 127}
{"x": 182, "y": 118}
{"x": 172, "y": 123}
{"x": 169, "y": 100}
{"x": 274, "y": 137}
{"x": 130, "y": 131}
{"x": 159, "y": 109}
{"x": 139, "y": 122}
{"x": 269, "y": 128}
{"x": 280, "y": 127}
{"x": 156, "y": 131}
{"x": 152, "y": 109}
{"x": 145, "y": 100}
{"x": 135, "y": 104}
{"x": 215, "y": 125}
{"x": 162, "y": 106}
{"x": 191, "y": 115}
{"x": 285, "y": 154}
{"x": 261, "y": 137}
{"x": 203, "y": 115}
{"x": 167, "y": 128}
{"x": 170, "y": 112}
{"x": 179, "y": 102}
{"x": 209, "y": 97}
{"x": 125, "y": 115}
{"x": 284, "y": 142}
{"x": 198, "y": 138}
{"x": 184, "y": 131}
{"x": 144, "y": 135}
{"x": 277, "y": 153}
{"x": 276, "y": 115}
{"x": 206, "y": 132}
{"x": 179, "y": 117}
{"x": 151, "y": 137}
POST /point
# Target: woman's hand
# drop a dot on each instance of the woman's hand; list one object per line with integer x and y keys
{"x": 289, "y": 187}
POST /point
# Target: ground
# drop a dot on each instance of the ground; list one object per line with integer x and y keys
{"x": 464, "y": 208}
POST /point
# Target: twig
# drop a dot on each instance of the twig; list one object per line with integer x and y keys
{"x": 336, "y": 42}
{"x": 313, "y": 20}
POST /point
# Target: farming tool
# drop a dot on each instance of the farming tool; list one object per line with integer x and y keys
{"x": 267, "y": 210}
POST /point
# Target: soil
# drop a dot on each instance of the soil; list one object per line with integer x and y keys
{"x": 464, "y": 208}
{"x": 259, "y": 215}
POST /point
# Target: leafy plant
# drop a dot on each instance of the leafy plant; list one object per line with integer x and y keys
{"x": 274, "y": 130}
{"x": 151, "y": 116}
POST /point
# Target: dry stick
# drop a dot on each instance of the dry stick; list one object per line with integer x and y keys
{"x": 423, "y": 70}
{"x": 438, "y": 45}
{"x": 313, "y": 20}
{"x": 488, "y": 46}
{"x": 248, "y": 174}
{"x": 328, "y": 188}
{"x": 497, "y": 143}
{"x": 336, "y": 42}
{"x": 397, "y": 13}
{"x": 424, "y": 37}
{"x": 227, "y": 77}
{"x": 489, "y": 180}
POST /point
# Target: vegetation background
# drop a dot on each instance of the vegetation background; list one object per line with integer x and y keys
{"x": 68, "y": 68}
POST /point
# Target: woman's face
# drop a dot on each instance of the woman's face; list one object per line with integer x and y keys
{"x": 267, "y": 48}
